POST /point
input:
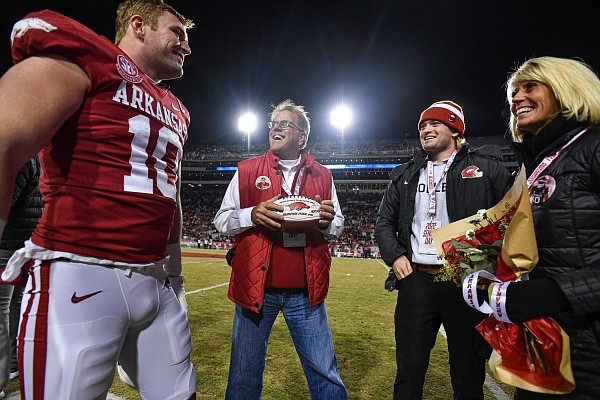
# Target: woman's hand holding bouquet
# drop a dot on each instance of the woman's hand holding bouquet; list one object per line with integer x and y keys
{"x": 491, "y": 250}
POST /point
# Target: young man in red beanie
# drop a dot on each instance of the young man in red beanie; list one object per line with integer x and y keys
{"x": 445, "y": 182}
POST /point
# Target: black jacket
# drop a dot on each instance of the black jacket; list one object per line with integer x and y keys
{"x": 567, "y": 226}
{"x": 464, "y": 197}
{"x": 25, "y": 210}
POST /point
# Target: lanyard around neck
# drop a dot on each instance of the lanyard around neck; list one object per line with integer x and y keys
{"x": 545, "y": 163}
{"x": 295, "y": 188}
{"x": 432, "y": 185}
{"x": 297, "y": 182}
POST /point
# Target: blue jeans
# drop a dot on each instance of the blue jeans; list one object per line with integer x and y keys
{"x": 310, "y": 332}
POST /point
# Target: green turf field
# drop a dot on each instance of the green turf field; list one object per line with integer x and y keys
{"x": 361, "y": 317}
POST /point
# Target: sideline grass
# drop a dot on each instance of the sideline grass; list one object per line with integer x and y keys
{"x": 361, "y": 318}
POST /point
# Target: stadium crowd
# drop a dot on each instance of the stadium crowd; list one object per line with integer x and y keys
{"x": 318, "y": 148}
{"x": 200, "y": 204}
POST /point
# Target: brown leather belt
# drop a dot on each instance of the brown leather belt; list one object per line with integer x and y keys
{"x": 433, "y": 269}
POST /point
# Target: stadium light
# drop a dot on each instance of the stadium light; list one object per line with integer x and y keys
{"x": 247, "y": 124}
{"x": 341, "y": 117}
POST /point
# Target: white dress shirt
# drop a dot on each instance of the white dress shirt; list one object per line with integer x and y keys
{"x": 232, "y": 220}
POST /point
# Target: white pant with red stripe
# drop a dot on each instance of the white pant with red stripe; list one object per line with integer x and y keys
{"x": 79, "y": 319}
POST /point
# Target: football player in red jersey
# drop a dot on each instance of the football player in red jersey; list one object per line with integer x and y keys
{"x": 104, "y": 263}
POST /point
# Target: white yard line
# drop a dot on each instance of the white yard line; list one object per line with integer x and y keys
{"x": 384, "y": 264}
{"x": 496, "y": 390}
{"x": 17, "y": 395}
{"x": 207, "y": 288}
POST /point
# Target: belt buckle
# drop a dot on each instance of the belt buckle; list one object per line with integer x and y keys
{"x": 428, "y": 268}
{"x": 438, "y": 270}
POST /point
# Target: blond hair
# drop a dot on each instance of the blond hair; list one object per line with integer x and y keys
{"x": 150, "y": 10}
{"x": 574, "y": 84}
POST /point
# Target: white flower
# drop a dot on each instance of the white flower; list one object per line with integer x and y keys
{"x": 482, "y": 214}
{"x": 470, "y": 234}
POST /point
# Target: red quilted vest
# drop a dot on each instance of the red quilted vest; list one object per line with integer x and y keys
{"x": 254, "y": 246}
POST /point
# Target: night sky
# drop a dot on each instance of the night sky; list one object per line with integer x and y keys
{"x": 385, "y": 60}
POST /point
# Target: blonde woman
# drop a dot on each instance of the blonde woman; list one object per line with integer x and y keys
{"x": 555, "y": 107}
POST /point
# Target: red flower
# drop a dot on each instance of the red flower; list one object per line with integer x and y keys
{"x": 512, "y": 342}
{"x": 489, "y": 234}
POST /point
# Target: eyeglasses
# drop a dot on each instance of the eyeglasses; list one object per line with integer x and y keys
{"x": 285, "y": 124}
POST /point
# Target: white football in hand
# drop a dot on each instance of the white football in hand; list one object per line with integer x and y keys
{"x": 300, "y": 214}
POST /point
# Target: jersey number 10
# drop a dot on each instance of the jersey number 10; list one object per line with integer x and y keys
{"x": 138, "y": 181}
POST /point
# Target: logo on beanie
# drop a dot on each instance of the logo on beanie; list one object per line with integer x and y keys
{"x": 471, "y": 172}
{"x": 448, "y": 113}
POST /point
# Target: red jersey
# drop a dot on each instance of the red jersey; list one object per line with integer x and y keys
{"x": 109, "y": 174}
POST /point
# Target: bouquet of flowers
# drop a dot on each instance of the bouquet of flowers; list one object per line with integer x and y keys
{"x": 489, "y": 249}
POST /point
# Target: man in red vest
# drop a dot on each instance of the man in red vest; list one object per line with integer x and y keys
{"x": 273, "y": 271}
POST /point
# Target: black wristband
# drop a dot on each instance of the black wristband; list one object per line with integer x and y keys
{"x": 535, "y": 298}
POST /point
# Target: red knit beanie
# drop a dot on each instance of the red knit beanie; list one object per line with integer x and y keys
{"x": 447, "y": 112}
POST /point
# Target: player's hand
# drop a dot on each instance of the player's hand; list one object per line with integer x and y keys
{"x": 402, "y": 267}
{"x": 327, "y": 212}
{"x": 177, "y": 286}
{"x": 266, "y": 214}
